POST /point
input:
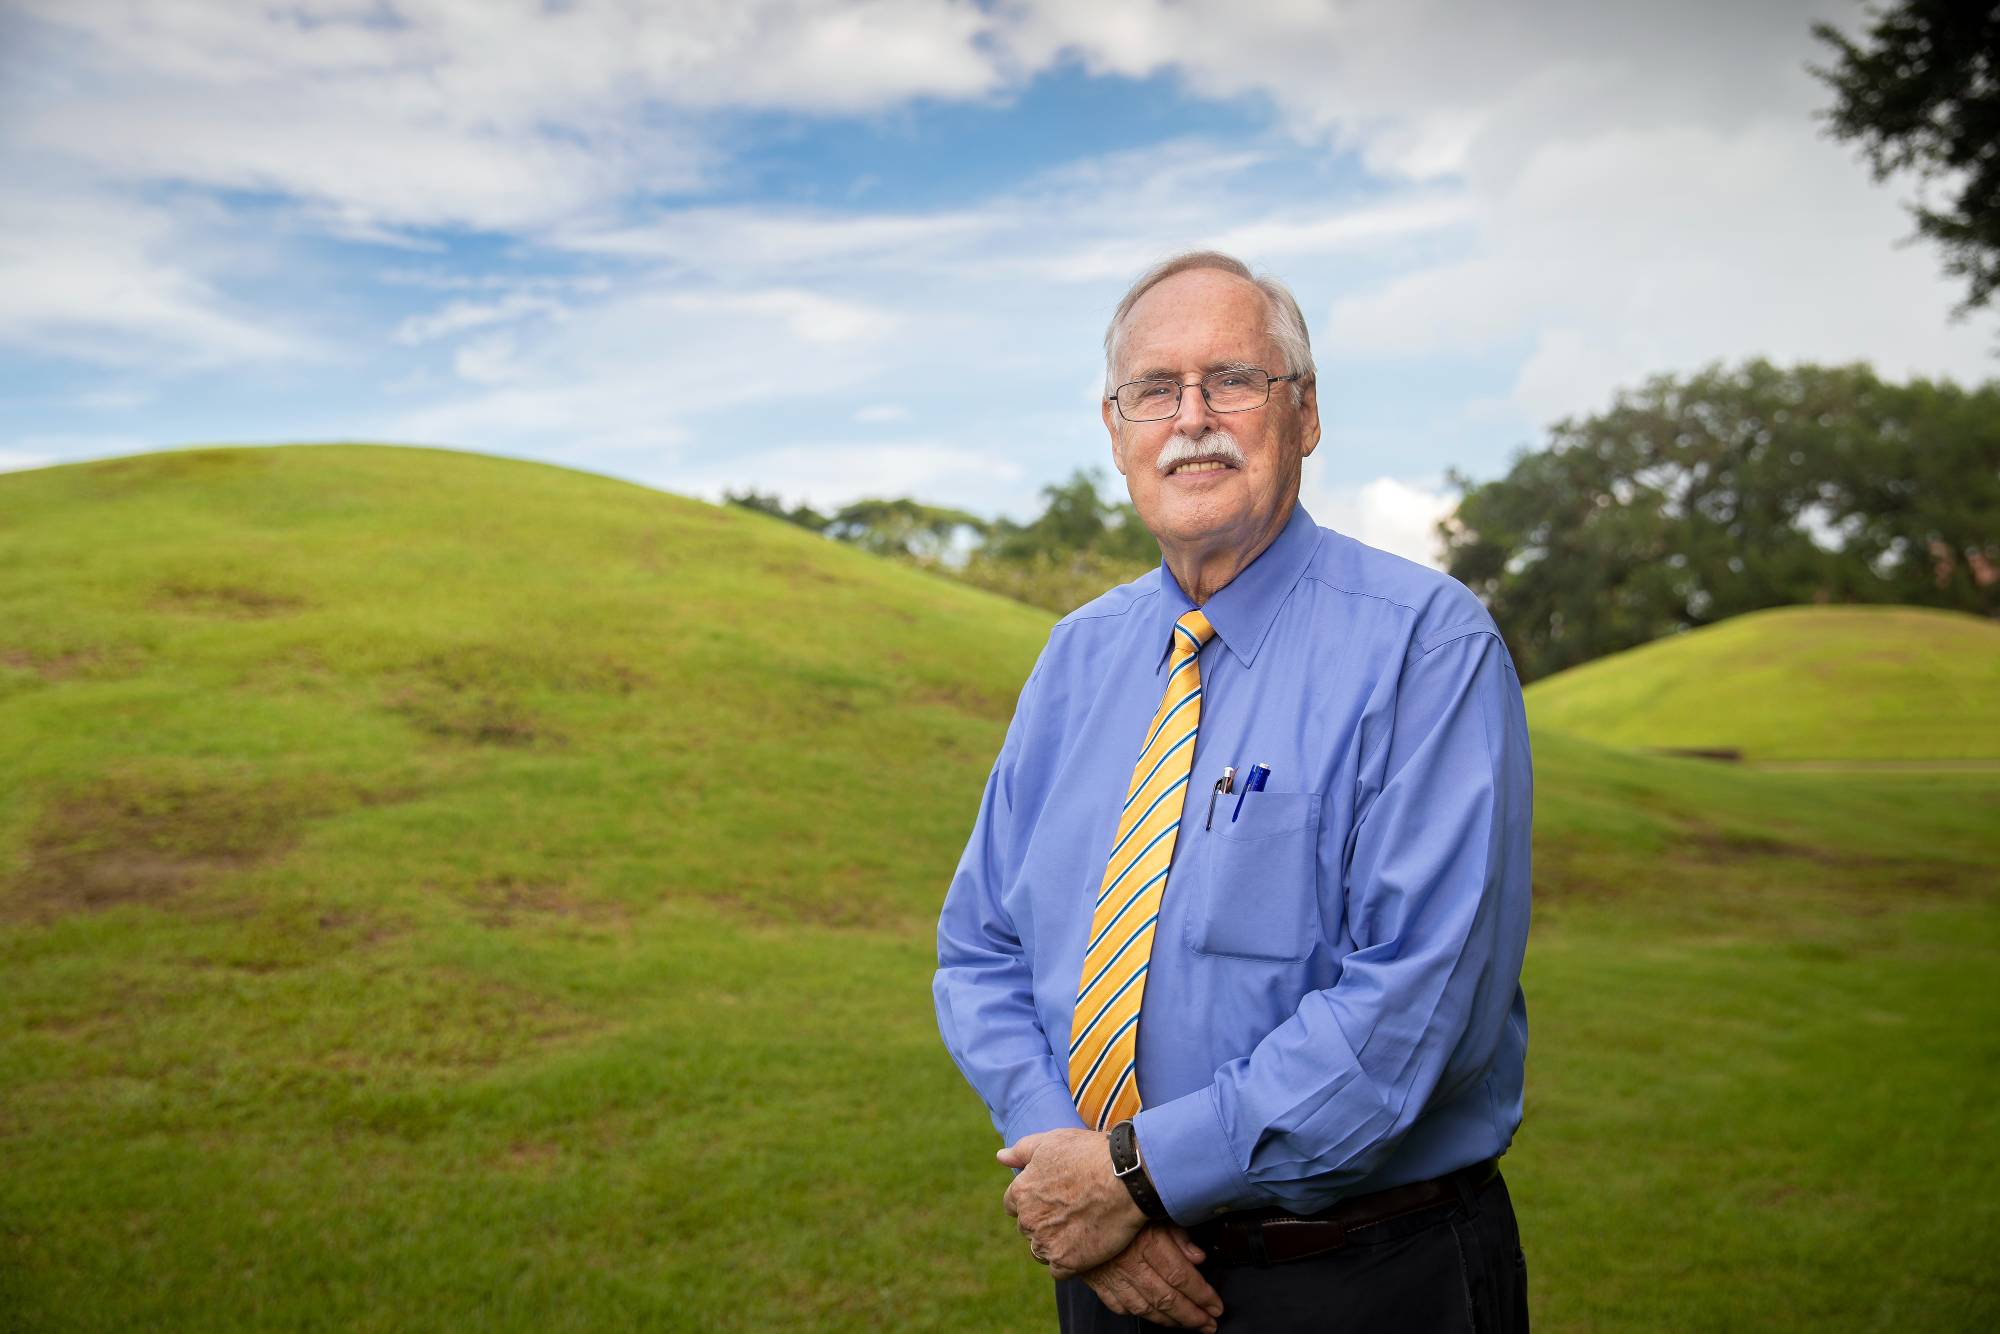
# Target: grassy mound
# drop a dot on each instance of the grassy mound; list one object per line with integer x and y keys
{"x": 1796, "y": 683}
{"x": 451, "y": 891}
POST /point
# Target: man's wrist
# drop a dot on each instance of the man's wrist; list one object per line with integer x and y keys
{"x": 1185, "y": 1143}
{"x": 1130, "y": 1168}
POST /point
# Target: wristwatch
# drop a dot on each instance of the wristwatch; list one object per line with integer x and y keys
{"x": 1127, "y": 1166}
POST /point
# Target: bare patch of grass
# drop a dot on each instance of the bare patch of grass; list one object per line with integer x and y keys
{"x": 483, "y": 717}
{"x": 356, "y": 927}
{"x": 841, "y": 897}
{"x": 49, "y": 667}
{"x": 147, "y": 836}
{"x": 799, "y": 572}
{"x": 508, "y": 900}
{"x": 1708, "y": 844}
{"x": 473, "y": 667}
{"x": 71, "y": 664}
{"x": 1708, "y": 864}
{"x": 531, "y": 1158}
{"x": 233, "y": 601}
{"x": 477, "y": 692}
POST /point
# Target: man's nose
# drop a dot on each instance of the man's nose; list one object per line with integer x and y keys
{"x": 1195, "y": 417}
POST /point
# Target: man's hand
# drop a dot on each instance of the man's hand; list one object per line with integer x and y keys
{"x": 1155, "y": 1277}
{"x": 1074, "y": 1212}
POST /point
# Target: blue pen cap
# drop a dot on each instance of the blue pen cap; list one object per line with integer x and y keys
{"x": 1252, "y": 782}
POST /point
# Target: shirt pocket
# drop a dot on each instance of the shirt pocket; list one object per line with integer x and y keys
{"x": 1259, "y": 884}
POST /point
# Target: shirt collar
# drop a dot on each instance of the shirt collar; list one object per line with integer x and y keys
{"x": 1242, "y": 610}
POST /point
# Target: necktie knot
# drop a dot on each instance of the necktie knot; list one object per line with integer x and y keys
{"x": 1194, "y": 626}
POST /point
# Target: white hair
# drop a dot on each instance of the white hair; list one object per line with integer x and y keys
{"x": 1283, "y": 322}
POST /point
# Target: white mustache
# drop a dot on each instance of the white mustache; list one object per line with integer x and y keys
{"x": 1181, "y": 449}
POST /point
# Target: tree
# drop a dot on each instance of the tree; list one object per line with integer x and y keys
{"x": 805, "y": 516}
{"x": 1695, "y": 499}
{"x": 1078, "y": 546}
{"x": 899, "y": 527}
{"x": 1076, "y": 519}
{"x": 1924, "y": 96}
{"x": 903, "y": 527}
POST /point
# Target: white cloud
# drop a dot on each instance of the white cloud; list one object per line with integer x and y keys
{"x": 1323, "y": 231}
{"x": 1647, "y": 187}
{"x": 1426, "y": 88}
{"x": 1634, "y": 252}
{"x": 831, "y": 474}
{"x": 1087, "y": 220}
{"x": 739, "y": 239}
{"x": 547, "y": 284}
{"x": 805, "y": 315}
{"x": 1137, "y": 236}
{"x": 490, "y": 360}
{"x": 636, "y": 371}
{"x": 114, "y": 399}
{"x": 1395, "y": 514}
{"x": 508, "y": 115}
{"x": 100, "y": 278}
{"x": 457, "y": 317}
{"x": 15, "y": 460}
{"x": 1637, "y": 187}
{"x": 653, "y": 366}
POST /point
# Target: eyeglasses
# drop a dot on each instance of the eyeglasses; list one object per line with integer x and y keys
{"x": 1223, "y": 391}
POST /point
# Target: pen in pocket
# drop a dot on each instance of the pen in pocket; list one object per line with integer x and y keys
{"x": 1252, "y": 782}
{"x": 1226, "y": 783}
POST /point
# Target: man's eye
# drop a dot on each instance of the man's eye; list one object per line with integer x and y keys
{"x": 1156, "y": 390}
{"x": 1230, "y": 381}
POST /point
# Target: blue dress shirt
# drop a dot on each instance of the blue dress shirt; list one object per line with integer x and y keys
{"x": 1334, "y": 1004}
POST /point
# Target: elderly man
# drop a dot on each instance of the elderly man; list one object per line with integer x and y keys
{"x": 1233, "y": 954}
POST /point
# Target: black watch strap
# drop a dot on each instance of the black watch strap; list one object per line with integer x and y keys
{"x": 1129, "y": 1169}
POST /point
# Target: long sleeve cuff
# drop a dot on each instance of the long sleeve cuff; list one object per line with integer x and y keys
{"x": 1190, "y": 1159}
{"x": 1051, "y": 1108}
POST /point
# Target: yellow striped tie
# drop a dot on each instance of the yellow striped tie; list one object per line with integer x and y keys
{"x": 1104, "y": 1032}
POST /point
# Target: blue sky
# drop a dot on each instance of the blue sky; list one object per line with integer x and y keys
{"x": 868, "y": 247}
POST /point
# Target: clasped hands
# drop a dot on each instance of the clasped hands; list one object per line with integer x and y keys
{"x": 1080, "y": 1221}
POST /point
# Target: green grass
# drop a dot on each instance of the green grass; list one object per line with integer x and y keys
{"x": 1796, "y": 683}
{"x": 444, "y": 891}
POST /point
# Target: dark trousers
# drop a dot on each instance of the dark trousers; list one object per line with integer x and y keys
{"x": 1456, "y": 1266}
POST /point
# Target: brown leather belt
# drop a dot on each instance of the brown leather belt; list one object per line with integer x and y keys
{"x": 1272, "y": 1237}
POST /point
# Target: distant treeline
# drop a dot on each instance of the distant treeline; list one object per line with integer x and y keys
{"x": 1698, "y": 497}
{"x": 1694, "y": 498}
{"x": 1079, "y": 545}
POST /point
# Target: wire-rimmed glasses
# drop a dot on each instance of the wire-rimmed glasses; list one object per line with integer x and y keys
{"x": 1233, "y": 390}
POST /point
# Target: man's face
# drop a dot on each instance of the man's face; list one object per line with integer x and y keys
{"x": 1190, "y": 324}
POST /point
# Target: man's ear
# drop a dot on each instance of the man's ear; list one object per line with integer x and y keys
{"x": 1111, "y": 428}
{"x": 1309, "y": 418}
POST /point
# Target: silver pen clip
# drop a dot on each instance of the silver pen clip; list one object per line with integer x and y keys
{"x": 1224, "y": 784}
